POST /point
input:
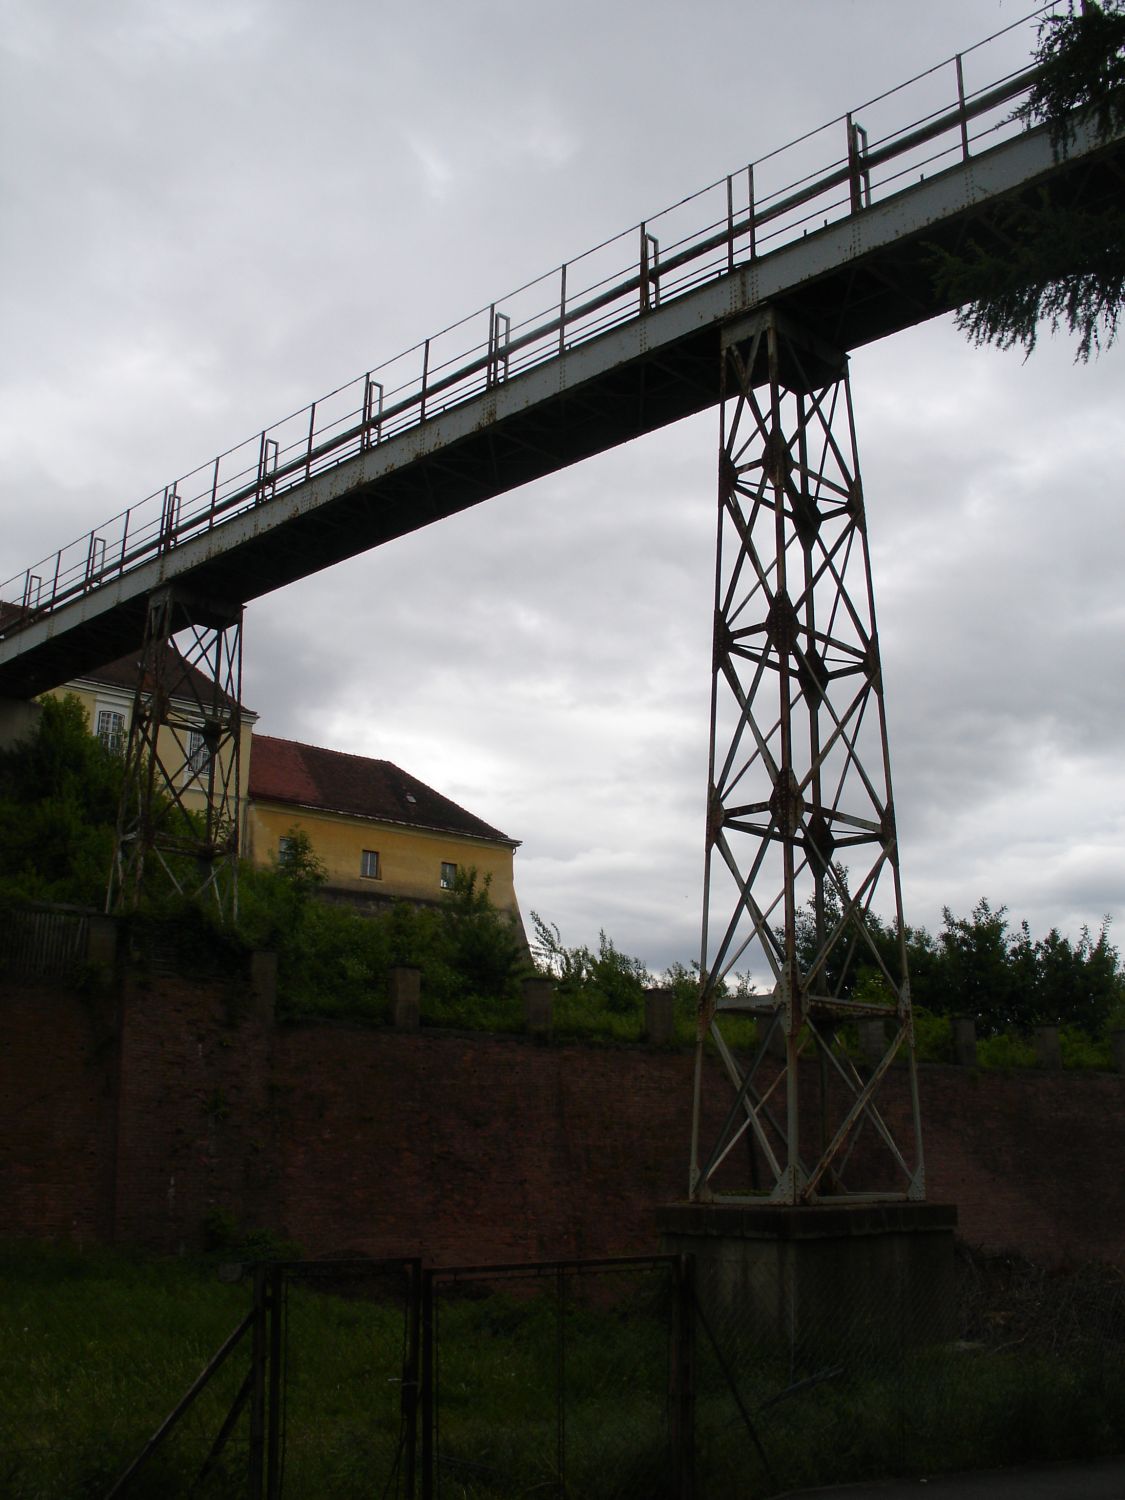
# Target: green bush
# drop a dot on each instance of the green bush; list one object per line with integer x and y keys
{"x": 59, "y": 791}
{"x": 334, "y": 960}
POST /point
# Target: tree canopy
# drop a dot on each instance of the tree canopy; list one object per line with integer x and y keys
{"x": 59, "y": 790}
{"x": 1050, "y": 263}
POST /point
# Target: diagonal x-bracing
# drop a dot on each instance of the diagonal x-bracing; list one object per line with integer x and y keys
{"x": 802, "y": 876}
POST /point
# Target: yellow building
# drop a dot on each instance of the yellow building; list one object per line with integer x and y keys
{"x": 379, "y": 831}
{"x": 107, "y": 696}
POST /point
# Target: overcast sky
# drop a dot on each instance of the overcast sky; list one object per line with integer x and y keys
{"x": 215, "y": 212}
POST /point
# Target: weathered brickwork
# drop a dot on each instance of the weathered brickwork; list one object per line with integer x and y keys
{"x": 135, "y": 1117}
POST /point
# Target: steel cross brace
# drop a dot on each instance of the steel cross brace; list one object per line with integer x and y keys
{"x": 802, "y": 872}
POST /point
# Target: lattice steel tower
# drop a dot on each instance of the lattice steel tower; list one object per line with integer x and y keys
{"x": 801, "y": 844}
{"x": 180, "y": 802}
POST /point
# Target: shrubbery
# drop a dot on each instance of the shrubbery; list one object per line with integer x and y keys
{"x": 59, "y": 792}
{"x": 333, "y": 960}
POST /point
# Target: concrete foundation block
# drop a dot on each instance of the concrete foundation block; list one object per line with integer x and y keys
{"x": 659, "y": 1027}
{"x": 539, "y": 1006}
{"x": 404, "y": 983}
{"x": 823, "y": 1283}
{"x": 1048, "y": 1053}
{"x": 964, "y": 1041}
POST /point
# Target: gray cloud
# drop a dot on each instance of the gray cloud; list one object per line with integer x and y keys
{"x": 217, "y": 212}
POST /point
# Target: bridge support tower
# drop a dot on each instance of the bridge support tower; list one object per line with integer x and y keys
{"x": 805, "y": 1206}
{"x": 802, "y": 871}
{"x": 179, "y": 818}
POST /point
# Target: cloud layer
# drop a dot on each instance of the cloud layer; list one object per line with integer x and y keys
{"x": 216, "y": 212}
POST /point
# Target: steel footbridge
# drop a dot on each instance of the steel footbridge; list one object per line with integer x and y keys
{"x": 838, "y": 231}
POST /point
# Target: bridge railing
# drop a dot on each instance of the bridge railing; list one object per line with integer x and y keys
{"x": 952, "y": 111}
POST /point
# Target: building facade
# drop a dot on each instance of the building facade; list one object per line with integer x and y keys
{"x": 380, "y": 832}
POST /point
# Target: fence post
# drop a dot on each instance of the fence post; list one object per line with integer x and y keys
{"x": 258, "y": 1358}
{"x": 273, "y": 1429}
{"x": 682, "y": 1394}
{"x": 429, "y": 1395}
{"x": 410, "y": 1382}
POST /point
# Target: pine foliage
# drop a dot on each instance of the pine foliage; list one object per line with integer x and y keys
{"x": 1053, "y": 265}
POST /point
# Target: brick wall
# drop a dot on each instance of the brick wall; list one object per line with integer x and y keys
{"x": 135, "y": 1119}
{"x": 57, "y": 1106}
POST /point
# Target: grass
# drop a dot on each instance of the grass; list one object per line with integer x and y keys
{"x": 98, "y": 1346}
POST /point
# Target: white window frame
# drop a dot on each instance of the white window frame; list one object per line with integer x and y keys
{"x": 448, "y": 876}
{"x": 370, "y": 857}
{"x": 113, "y": 738}
{"x": 195, "y": 762}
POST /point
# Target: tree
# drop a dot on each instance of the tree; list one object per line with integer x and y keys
{"x": 1052, "y": 263}
{"x": 610, "y": 977}
{"x": 59, "y": 790}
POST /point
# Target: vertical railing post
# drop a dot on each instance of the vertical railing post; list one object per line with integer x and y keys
{"x": 562, "y": 310}
{"x": 859, "y": 180}
{"x": 425, "y": 381}
{"x": 961, "y": 108}
{"x": 649, "y": 270}
{"x": 214, "y": 495}
{"x": 730, "y": 223}
{"x": 372, "y": 413}
{"x": 309, "y": 449}
{"x": 752, "y": 212}
{"x": 490, "y": 367}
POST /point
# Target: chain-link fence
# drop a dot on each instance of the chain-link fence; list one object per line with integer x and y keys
{"x": 314, "y": 1392}
{"x": 667, "y": 1376}
{"x": 564, "y": 1378}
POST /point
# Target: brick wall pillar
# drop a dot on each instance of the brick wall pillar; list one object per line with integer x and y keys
{"x": 404, "y": 983}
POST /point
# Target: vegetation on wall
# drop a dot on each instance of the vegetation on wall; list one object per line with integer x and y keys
{"x": 985, "y": 967}
{"x": 334, "y": 960}
{"x": 58, "y": 802}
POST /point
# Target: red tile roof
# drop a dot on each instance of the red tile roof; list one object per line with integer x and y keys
{"x": 330, "y": 780}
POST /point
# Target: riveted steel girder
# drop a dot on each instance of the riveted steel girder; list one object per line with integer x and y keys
{"x": 802, "y": 870}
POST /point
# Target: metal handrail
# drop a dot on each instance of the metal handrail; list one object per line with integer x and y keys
{"x": 175, "y": 514}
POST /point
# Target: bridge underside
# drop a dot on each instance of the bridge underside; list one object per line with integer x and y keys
{"x": 850, "y": 283}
